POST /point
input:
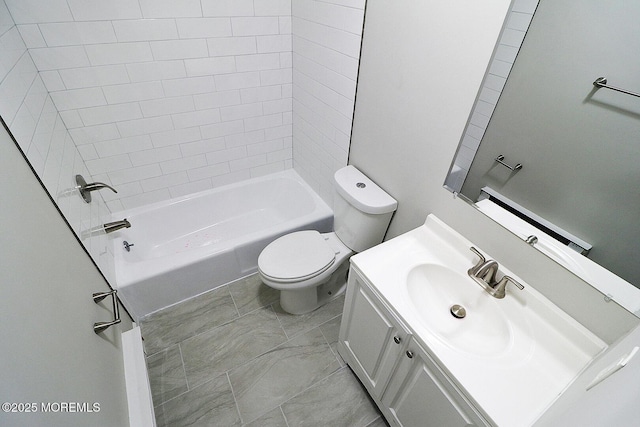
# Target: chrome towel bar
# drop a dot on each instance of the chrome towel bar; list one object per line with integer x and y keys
{"x": 515, "y": 168}
{"x": 99, "y": 296}
{"x": 602, "y": 82}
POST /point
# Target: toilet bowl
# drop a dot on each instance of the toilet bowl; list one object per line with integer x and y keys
{"x": 309, "y": 268}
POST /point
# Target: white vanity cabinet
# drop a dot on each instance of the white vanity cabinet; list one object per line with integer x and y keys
{"x": 406, "y": 384}
{"x": 419, "y": 394}
{"x": 371, "y": 339}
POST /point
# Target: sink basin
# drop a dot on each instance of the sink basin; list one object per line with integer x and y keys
{"x": 483, "y": 331}
{"x": 513, "y": 356}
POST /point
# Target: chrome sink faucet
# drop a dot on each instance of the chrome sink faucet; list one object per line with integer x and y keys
{"x": 485, "y": 272}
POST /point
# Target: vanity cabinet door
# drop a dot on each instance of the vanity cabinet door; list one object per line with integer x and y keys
{"x": 419, "y": 395}
{"x": 371, "y": 339}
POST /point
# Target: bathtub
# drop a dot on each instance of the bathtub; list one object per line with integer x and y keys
{"x": 189, "y": 245}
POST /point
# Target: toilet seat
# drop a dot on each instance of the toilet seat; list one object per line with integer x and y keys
{"x": 295, "y": 257}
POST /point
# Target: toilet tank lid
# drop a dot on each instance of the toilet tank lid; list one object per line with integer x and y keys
{"x": 356, "y": 188}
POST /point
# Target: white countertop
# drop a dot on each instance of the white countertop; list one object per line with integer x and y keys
{"x": 513, "y": 385}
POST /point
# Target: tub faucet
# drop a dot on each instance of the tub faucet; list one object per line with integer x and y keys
{"x": 86, "y": 189}
{"x": 110, "y": 227}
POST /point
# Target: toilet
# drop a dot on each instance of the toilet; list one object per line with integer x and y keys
{"x": 309, "y": 268}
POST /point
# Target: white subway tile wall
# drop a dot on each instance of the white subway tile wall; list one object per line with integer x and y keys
{"x": 326, "y": 52}
{"x": 30, "y": 112}
{"x": 510, "y": 41}
{"x": 139, "y": 82}
{"x": 162, "y": 98}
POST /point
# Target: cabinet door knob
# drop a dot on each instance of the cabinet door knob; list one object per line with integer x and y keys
{"x": 397, "y": 339}
{"x": 410, "y": 354}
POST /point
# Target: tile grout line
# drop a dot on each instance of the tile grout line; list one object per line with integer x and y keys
{"x": 284, "y": 416}
{"x": 280, "y": 321}
{"x": 235, "y": 400}
{"x": 184, "y": 369}
{"x": 310, "y": 387}
{"x": 233, "y": 300}
{"x": 335, "y": 353}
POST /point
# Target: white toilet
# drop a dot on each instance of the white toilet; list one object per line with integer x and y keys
{"x": 309, "y": 268}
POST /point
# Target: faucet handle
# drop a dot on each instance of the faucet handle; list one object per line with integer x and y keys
{"x": 500, "y": 288}
{"x": 473, "y": 270}
{"x": 86, "y": 189}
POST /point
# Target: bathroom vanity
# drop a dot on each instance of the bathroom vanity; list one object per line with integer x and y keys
{"x": 434, "y": 348}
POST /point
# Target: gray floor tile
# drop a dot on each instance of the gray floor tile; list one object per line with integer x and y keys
{"x": 337, "y": 401}
{"x": 176, "y": 323}
{"x": 296, "y": 324}
{"x": 202, "y": 347}
{"x": 223, "y": 348}
{"x": 159, "y": 412}
{"x": 250, "y": 293}
{"x": 273, "y": 418}
{"x": 210, "y": 404}
{"x": 276, "y": 376}
{"x": 380, "y": 422}
{"x": 166, "y": 375}
{"x": 331, "y": 331}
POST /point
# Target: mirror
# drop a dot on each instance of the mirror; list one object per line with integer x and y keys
{"x": 578, "y": 144}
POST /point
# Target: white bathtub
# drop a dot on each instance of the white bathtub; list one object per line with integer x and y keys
{"x": 189, "y": 245}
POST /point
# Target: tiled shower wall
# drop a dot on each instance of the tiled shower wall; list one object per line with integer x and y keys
{"x": 165, "y": 98}
{"x": 30, "y": 113}
{"x": 326, "y": 51}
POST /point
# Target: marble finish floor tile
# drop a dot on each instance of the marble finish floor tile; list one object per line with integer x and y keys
{"x": 379, "y": 422}
{"x": 232, "y": 356}
{"x": 166, "y": 374}
{"x": 250, "y": 293}
{"x": 178, "y": 322}
{"x": 273, "y": 418}
{"x": 331, "y": 331}
{"x": 223, "y": 348}
{"x": 294, "y": 324}
{"x": 274, "y": 377}
{"x": 337, "y": 401}
{"x": 210, "y": 404}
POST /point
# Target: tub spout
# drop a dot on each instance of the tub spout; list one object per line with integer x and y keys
{"x": 110, "y": 227}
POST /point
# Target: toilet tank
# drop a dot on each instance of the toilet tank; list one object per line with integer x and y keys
{"x": 362, "y": 210}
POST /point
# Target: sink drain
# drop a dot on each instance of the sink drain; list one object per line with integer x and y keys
{"x": 458, "y": 311}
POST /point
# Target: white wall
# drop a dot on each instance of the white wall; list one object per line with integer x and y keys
{"x": 28, "y": 110}
{"x": 326, "y": 52}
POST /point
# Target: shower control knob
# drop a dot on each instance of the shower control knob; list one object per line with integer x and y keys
{"x": 410, "y": 354}
{"x": 397, "y": 339}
